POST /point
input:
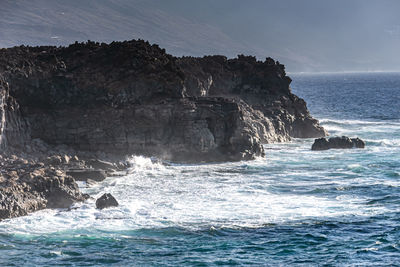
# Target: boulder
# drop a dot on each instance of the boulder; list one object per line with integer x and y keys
{"x": 343, "y": 142}
{"x": 106, "y": 201}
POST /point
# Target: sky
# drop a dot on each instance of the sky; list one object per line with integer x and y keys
{"x": 305, "y": 35}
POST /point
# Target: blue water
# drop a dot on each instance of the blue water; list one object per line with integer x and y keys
{"x": 295, "y": 207}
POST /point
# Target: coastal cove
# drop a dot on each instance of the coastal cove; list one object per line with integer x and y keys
{"x": 293, "y": 206}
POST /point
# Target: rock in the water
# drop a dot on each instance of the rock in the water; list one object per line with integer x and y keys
{"x": 358, "y": 142}
{"x": 337, "y": 142}
{"x": 106, "y": 201}
{"x": 84, "y": 175}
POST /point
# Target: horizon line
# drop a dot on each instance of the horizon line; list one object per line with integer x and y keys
{"x": 342, "y": 72}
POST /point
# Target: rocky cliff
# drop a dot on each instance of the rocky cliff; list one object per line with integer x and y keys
{"x": 14, "y": 130}
{"x": 264, "y": 86}
{"x": 129, "y": 98}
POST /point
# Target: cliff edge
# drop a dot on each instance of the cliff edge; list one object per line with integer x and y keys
{"x": 133, "y": 98}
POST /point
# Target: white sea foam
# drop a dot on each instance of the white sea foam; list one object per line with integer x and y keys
{"x": 244, "y": 194}
{"x": 359, "y": 122}
{"x": 221, "y": 195}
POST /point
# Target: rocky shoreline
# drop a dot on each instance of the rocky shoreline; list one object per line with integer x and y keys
{"x": 74, "y": 113}
{"x": 33, "y": 182}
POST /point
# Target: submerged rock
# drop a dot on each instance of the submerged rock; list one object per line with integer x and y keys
{"x": 106, "y": 201}
{"x": 337, "y": 142}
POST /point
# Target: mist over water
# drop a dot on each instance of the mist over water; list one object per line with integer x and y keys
{"x": 293, "y": 207}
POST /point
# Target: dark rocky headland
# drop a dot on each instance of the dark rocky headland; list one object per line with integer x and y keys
{"x": 77, "y": 111}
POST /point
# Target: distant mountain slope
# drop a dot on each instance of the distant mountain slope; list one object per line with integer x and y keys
{"x": 56, "y": 22}
{"x": 39, "y": 22}
{"x": 307, "y": 35}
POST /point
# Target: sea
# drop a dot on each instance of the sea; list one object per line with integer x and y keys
{"x": 293, "y": 207}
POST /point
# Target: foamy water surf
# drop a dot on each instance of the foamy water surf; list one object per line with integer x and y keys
{"x": 276, "y": 189}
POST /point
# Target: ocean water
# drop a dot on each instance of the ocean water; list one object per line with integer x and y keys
{"x": 295, "y": 207}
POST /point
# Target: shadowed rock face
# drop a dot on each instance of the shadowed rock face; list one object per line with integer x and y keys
{"x": 133, "y": 98}
{"x": 14, "y": 130}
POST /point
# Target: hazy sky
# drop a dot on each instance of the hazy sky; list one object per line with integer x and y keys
{"x": 306, "y": 35}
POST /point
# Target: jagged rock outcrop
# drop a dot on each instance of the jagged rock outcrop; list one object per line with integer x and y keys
{"x": 133, "y": 98}
{"x": 343, "y": 142}
{"x": 33, "y": 182}
{"x": 264, "y": 86}
{"x": 27, "y": 186}
{"x": 129, "y": 98}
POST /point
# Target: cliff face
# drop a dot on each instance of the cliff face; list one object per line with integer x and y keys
{"x": 14, "y": 131}
{"x": 262, "y": 85}
{"x": 133, "y": 98}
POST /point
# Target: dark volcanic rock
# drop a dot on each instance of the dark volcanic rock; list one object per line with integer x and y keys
{"x": 264, "y": 86}
{"x": 27, "y": 187}
{"x": 106, "y": 201}
{"x": 337, "y": 142}
{"x": 133, "y": 98}
{"x": 358, "y": 143}
{"x": 14, "y": 130}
